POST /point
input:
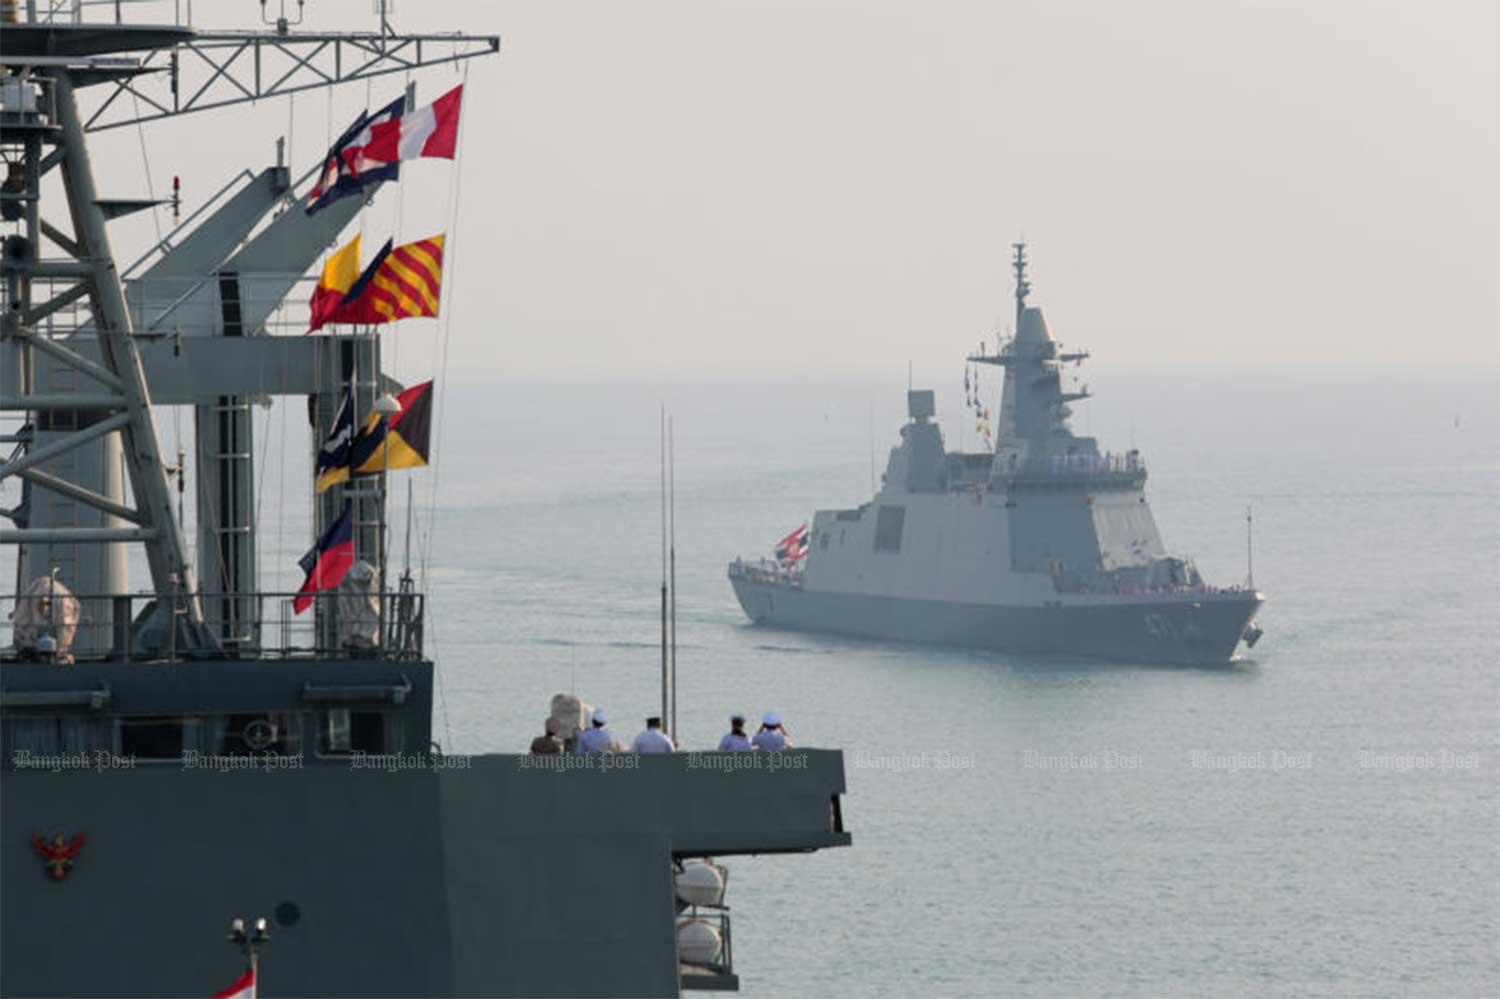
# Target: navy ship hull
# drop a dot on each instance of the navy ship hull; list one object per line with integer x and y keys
{"x": 1195, "y": 629}
{"x": 485, "y": 880}
{"x": 402, "y": 873}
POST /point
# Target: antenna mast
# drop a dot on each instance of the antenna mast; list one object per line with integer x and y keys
{"x": 1249, "y": 549}
{"x": 1023, "y": 287}
{"x": 672, "y": 535}
{"x": 664, "y": 692}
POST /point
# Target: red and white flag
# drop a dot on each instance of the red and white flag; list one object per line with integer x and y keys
{"x": 427, "y": 131}
{"x": 243, "y": 987}
{"x": 372, "y": 149}
{"x": 793, "y": 547}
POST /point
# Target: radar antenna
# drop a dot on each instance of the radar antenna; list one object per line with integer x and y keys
{"x": 1023, "y": 287}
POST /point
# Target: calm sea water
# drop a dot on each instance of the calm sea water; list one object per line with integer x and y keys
{"x": 1268, "y": 829}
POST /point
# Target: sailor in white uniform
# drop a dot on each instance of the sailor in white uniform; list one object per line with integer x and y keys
{"x": 772, "y": 734}
{"x": 653, "y": 740}
{"x": 596, "y": 739}
{"x": 736, "y": 740}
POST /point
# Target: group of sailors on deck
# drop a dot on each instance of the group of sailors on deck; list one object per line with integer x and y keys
{"x": 597, "y": 738}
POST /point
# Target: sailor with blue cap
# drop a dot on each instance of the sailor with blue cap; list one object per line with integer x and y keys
{"x": 736, "y": 741}
{"x": 596, "y": 739}
{"x": 772, "y": 734}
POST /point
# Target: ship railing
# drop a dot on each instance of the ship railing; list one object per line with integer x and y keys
{"x": 172, "y": 12}
{"x": 261, "y": 625}
{"x": 767, "y": 571}
{"x": 165, "y": 244}
{"x": 194, "y": 306}
{"x": 706, "y": 968}
{"x": 172, "y": 307}
{"x": 1067, "y": 468}
{"x": 1106, "y": 587}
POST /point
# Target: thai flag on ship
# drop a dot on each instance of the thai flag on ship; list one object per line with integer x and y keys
{"x": 793, "y": 547}
{"x": 243, "y": 987}
{"x": 373, "y": 147}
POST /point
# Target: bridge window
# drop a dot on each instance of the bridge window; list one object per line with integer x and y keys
{"x": 889, "y": 521}
{"x": 153, "y": 738}
{"x": 342, "y": 732}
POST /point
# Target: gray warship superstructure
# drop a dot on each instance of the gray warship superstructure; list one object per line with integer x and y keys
{"x": 1042, "y": 545}
{"x": 176, "y": 759}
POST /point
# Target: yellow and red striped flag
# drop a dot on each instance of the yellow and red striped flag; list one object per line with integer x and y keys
{"x": 399, "y": 283}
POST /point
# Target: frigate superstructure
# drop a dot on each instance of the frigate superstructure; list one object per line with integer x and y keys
{"x": 1042, "y": 544}
{"x": 178, "y": 758}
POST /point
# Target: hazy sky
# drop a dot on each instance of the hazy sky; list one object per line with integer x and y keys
{"x": 732, "y": 188}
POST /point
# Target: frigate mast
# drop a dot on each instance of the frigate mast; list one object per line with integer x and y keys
{"x": 183, "y": 325}
{"x": 1033, "y": 401}
{"x": 1023, "y": 287}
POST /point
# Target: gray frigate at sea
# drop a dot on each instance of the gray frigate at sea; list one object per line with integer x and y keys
{"x": 1042, "y": 544}
{"x": 201, "y": 752}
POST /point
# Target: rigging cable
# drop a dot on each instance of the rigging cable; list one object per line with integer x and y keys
{"x": 400, "y": 217}
{"x": 441, "y": 352}
{"x": 281, "y": 503}
{"x": 450, "y": 268}
{"x": 260, "y": 493}
{"x": 140, "y": 131}
{"x": 142, "y": 303}
{"x": 316, "y": 429}
{"x": 290, "y": 130}
{"x": 281, "y": 313}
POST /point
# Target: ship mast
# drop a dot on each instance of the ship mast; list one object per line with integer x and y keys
{"x": 88, "y": 383}
{"x": 1023, "y": 287}
{"x": 127, "y": 397}
{"x": 1249, "y": 549}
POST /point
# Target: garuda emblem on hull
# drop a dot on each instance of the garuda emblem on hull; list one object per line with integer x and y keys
{"x": 56, "y": 854}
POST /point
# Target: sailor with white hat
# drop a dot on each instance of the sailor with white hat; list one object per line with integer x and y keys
{"x": 772, "y": 734}
{"x": 597, "y": 738}
{"x": 653, "y": 740}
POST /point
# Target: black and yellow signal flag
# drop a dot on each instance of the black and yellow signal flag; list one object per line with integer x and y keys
{"x": 408, "y": 438}
{"x": 401, "y": 444}
{"x": 333, "y": 456}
